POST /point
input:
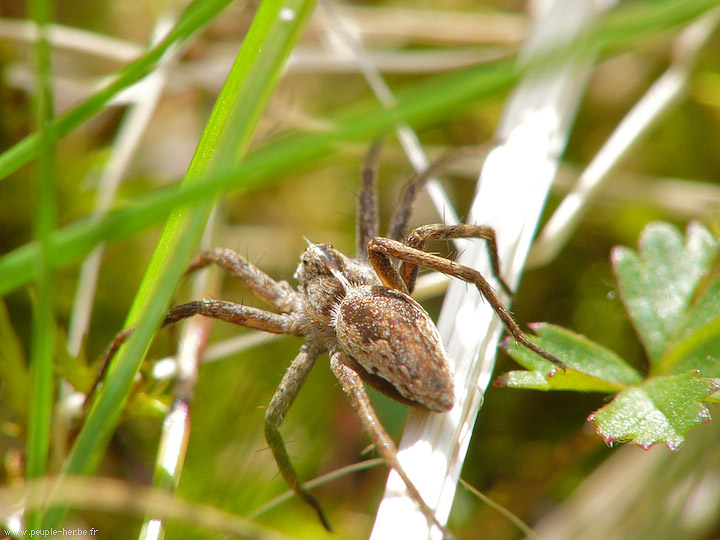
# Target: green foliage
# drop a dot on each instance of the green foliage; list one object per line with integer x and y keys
{"x": 272, "y": 174}
{"x": 658, "y": 409}
{"x": 224, "y": 142}
{"x": 676, "y": 316}
{"x": 592, "y": 368}
{"x": 420, "y": 104}
{"x": 13, "y": 368}
{"x": 657, "y": 283}
{"x": 198, "y": 13}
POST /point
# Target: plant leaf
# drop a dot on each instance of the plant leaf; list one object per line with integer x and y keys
{"x": 590, "y": 366}
{"x": 697, "y": 339}
{"x": 661, "y": 409}
{"x": 657, "y": 283}
{"x": 679, "y": 326}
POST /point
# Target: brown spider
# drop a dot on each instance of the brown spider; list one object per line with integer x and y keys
{"x": 360, "y": 312}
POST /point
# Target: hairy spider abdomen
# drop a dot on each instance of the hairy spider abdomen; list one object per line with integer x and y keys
{"x": 397, "y": 346}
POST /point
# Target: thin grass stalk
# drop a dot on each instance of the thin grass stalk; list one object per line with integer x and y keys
{"x": 665, "y": 92}
{"x": 198, "y": 14}
{"x": 337, "y": 27}
{"x": 175, "y": 432}
{"x": 260, "y": 169}
{"x": 515, "y": 520}
{"x": 135, "y": 122}
{"x": 513, "y": 185}
{"x": 275, "y": 30}
{"x": 72, "y": 39}
{"x": 419, "y": 105}
{"x": 112, "y": 495}
{"x": 41, "y": 360}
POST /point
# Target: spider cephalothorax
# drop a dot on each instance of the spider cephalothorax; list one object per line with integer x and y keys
{"x": 360, "y": 311}
{"x": 386, "y": 336}
{"x": 324, "y": 275}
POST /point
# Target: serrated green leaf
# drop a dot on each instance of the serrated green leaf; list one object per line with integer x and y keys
{"x": 715, "y": 397}
{"x": 679, "y": 327}
{"x": 661, "y": 409}
{"x": 590, "y": 366}
{"x": 700, "y": 351}
{"x": 556, "y": 379}
{"x": 705, "y": 309}
{"x": 657, "y": 283}
{"x": 697, "y": 340}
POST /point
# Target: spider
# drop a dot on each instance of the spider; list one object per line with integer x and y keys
{"x": 359, "y": 310}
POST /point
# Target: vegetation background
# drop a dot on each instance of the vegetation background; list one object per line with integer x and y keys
{"x": 532, "y": 450}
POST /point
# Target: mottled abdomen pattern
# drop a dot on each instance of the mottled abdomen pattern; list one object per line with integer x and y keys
{"x": 394, "y": 344}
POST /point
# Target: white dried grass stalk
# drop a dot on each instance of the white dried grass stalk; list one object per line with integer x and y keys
{"x": 72, "y": 39}
{"x": 126, "y": 143}
{"x": 514, "y": 184}
{"x": 661, "y": 96}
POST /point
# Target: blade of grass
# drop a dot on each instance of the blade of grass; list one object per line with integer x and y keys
{"x": 199, "y": 13}
{"x": 175, "y": 432}
{"x": 335, "y": 25}
{"x": 420, "y": 105}
{"x": 661, "y": 96}
{"x": 129, "y": 135}
{"x": 41, "y": 358}
{"x": 319, "y": 481}
{"x": 500, "y": 509}
{"x": 274, "y": 32}
{"x": 101, "y": 494}
{"x": 260, "y": 169}
{"x": 535, "y": 128}
{"x": 513, "y": 184}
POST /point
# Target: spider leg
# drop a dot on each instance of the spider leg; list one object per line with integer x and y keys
{"x": 401, "y": 216}
{"x": 367, "y": 205}
{"x": 246, "y": 316}
{"x": 277, "y": 294}
{"x": 354, "y": 387}
{"x": 281, "y": 401}
{"x": 419, "y": 237}
{"x": 381, "y": 249}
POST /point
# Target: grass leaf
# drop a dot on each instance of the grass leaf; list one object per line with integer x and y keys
{"x": 223, "y": 144}
{"x": 195, "y": 16}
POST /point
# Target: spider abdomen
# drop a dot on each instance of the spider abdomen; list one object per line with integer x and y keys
{"x": 394, "y": 345}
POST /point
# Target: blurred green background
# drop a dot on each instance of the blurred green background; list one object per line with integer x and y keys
{"x": 531, "y": 449}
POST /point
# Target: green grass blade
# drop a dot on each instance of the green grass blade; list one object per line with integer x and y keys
{"x": 262, "y": 168}
{"x": 41, "y": 356}
{"x": 419, "y": 105}
{"x": 254, "y": 76}
{"x": 14, "y": 370}
{"x": 199, "y": 13}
